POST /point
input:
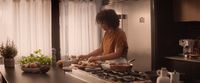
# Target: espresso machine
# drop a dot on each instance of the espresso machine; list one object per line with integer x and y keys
{"x": 188, "y": 45}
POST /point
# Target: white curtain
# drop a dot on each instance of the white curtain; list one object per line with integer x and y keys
{"x": 78, "y": 29}
{"x": 27, "y": 23}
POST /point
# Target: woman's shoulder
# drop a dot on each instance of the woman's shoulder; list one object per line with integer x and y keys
{"x": 121, "y": 32}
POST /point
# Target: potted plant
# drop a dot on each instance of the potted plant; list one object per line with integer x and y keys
{"x": 8, "y": 51}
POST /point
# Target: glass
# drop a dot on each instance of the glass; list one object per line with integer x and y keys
{"x": 187, "y": 45}
{"x": 70, "y": 59}
{"x": 53, "y": 56}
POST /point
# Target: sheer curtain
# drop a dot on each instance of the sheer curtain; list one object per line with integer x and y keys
{"x": 78, "y": 29}
{"x": 27, "y": 23}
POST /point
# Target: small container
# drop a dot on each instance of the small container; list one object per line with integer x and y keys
{"x": 162, "y": 78}
{"x": 174, "y": 77}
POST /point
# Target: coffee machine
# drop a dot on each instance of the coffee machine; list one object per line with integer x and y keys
{"x": 188, "y": 45}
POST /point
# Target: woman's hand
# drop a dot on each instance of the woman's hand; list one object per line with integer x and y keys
{"x": 82, "y": 57}
{"x": 60, "y": 63}
{"x": 95, "y": 58}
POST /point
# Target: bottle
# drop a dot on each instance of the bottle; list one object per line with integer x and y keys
{"x": 174, "y": 77}
{"x": 162, "y": 78}
{"x": 53, "y": 56}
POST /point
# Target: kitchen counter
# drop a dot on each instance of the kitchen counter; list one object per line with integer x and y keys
{"x": 54, "y": 75}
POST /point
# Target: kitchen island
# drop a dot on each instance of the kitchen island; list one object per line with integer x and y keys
{"x": 54, "y": 75}
{"x": 57, "y": 75}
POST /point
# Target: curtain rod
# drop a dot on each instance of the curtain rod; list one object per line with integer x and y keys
{"x": 110, "y": 2}
{"x": 117, "y": 1}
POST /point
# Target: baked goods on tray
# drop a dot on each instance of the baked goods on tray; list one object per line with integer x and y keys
{"x": 85, "y": 64}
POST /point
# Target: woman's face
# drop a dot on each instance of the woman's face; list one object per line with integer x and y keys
{"x": 104, "y": 26}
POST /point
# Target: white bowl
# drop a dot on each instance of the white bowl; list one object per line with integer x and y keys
{"x": 105, "y": 66}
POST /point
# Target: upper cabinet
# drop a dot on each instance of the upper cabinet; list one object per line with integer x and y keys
{"x": 187, "y": 10}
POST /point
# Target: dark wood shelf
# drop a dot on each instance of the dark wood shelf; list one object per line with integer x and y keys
{"x": 187, "y": 10}
{"x": 189, "y": 67}
{"x": 182, "y": 58}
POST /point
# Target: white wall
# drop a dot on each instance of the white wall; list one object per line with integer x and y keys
{"x": 138, "y": 34}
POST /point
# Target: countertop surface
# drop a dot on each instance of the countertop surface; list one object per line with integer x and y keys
{"x": 54, "y": 75}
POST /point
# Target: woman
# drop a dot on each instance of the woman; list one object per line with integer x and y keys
{"x": 114, "y": 45}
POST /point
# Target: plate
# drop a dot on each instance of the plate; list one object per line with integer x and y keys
{"x": 121, "y": 67}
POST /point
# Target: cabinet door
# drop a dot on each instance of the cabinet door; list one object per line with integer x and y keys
{"x": 187, "y": 10}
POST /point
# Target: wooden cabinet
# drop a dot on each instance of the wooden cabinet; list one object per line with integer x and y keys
{"x": 187, "y": 10}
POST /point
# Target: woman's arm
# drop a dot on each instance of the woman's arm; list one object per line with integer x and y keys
{"x": 110, "y": 56}
{"x": 96, "y": 52}
{"x": 118, "y": 53}
{"x": 120, "y": 47}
